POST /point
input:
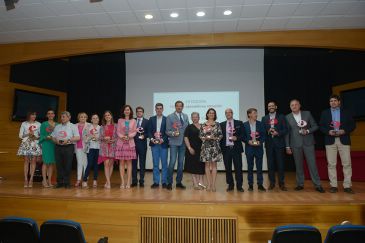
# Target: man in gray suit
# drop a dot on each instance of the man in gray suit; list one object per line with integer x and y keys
{"x": 175, "y": 128}
{"x": 300, "y": 140}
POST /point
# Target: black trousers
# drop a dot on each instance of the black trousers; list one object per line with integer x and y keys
{"x": 141, "y": 157}
{"x": 275, "y": 161}
{"x": 230, "y": 155}
{"x": 64, "y": 156}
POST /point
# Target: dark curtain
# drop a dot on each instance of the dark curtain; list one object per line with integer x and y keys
{"x": 96, "y": 83}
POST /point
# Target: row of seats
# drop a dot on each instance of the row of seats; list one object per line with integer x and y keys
{"x": 346, "y": 233}
{"x": 25, "y": 230}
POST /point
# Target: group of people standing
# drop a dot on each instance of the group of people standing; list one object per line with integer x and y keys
{"x": 200, "y": 145}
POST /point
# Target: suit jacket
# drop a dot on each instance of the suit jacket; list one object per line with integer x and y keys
{"x": 247, "y": 137}
{"x": 293, "y": 138}
{"x": 237, "y": 145}
{"x": 281, "y": 127}
{"x": 142, "y": 143}
{"x": 347, "y": 123}
{"x": 174, "y": 119}
{"x": 152, "y": 128}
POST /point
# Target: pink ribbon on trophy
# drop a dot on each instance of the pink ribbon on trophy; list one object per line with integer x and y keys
{"x": 336, "y": 125}
{"x": 255, "y": 135}
{"x": 62, "y": 134}
{"x": 273, "y": 122}
{"x": 32, "y": 128}
{"x": 49, "y": 129}
{"x": 302, "y": 124}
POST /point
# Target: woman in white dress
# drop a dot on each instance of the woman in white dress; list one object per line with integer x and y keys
{"x": 29, "y": 147}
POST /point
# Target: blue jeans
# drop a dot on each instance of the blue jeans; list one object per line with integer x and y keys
{"x": 256, "y": 156}
{"x": 176, "y": 152}
{"x": 92, "y": 162}
{"x": 159, "y": 153}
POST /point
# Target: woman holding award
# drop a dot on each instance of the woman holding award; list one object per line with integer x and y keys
{"x": 211, "y": 134}
{"x": 93, "y": 146}
{"x": 108, "y": 132}
{"x": 193, "y": 144}
{"x": 126, "y": 151}
{"x": 29, "y": 147}
{"x": 80, "y": 146}
{"x": 48, "y": 148}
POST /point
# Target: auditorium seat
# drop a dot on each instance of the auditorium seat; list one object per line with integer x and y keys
{"x": 16, "y": 229}
{"x": 296, "y": 234}
{"x": 346, "y": 234}
{"x": 61, "y": 231}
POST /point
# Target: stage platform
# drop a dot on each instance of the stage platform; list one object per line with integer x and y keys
{"x": 117, "y": 213}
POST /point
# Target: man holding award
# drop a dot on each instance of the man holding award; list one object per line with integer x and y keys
{"x": 141, "y": 148}
{"x": 254, "y": 137}
{"x": 232, "y": 149}
{"x": 156, "y": 130}
{"x": 337, "y": 124}
{"x": 175, "y": 128}
{"x": 64, "y": 136}
{"x": 300, "y": 140}
{"x": 276, "y": 129}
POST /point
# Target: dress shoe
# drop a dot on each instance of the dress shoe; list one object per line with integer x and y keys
{"x": 169, "y": 187}
{"x": 299, "y": 188}
{"x": 349, "y": 190}
{"x": 283, "y": 188}
{"x": 230, "y": 188}
{"x": 59, "y": 185}
{"x": 164, "y": 185}
{"x": 134, "y": 184}
{"x": 250, "y": 188}
{"x": 180, "y": 186}
{"x": 333, "y": 190}
{"x": 154, "y": 185}
{"x": 141, "y": 184}
{"x": 261, "y": 188}
{"x": 67, "y": 186}
{"x": 240, "y": 189}
{"x": 320, "y": 189}
{"x": 272, "y": 186}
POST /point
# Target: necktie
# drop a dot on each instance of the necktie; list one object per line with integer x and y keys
{"x": 181, "y": 120}
{"x": 230, "y": 125}
{"x": 139, "y": 123}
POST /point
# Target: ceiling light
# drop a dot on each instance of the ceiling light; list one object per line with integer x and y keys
{"x": 227, "y": 12}
{"x": 200, "y": 14}
{"x": 148, "y": 16}
{"x": 174, "y": 15}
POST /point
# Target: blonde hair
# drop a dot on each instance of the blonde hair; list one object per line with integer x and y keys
{"x": 80, "y": 114}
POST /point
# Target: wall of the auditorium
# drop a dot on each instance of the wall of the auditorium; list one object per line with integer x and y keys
{"x": 9, "y": 129}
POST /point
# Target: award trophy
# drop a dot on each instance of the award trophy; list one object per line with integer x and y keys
{"x": 32, "y": 128}
{"x": 176, "y": 126}
{"x": 302, "y": 126}
{"x": 49, "y": 130}
{"x": 62, "y": 135}
{"x": 272, "y": 123}
{"x": 208, "y": 132}
{"x": 140, "y": 131}
{"x": 157, "y": 138}
{"x": 126, "y": 132}
{"x": 231, "y": 132}
{"x": 336, "y": 127}
{"x": 94, "y": 133}
{"x": 255, "y": 136}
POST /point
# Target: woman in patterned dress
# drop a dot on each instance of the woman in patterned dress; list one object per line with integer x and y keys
{"x": 211, "y": 134}
{"x": 29, "y": 147}
{"x": 126, "y": 148}
{"x": 48, "y": 148}
{"x": 108, "y": 132}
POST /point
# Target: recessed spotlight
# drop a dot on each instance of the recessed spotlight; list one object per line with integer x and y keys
{"x": 200, "y": 14}
{"x": 148, "y": 16}
{"x": 174, "y": 15}
{"x": 227, "y": 12}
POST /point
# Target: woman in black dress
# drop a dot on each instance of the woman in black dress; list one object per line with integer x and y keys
{"x": 193, "y": 144}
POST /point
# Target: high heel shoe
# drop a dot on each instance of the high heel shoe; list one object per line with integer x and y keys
{"x": 122, "y": 186}
{"x": 45, "y": 184}
{"x": 84, "y": 185}
{"x": 95, "y": 183}
{"x": 30, "y": 184}
{"x": 106, "y": 186}
{"x": 78, "y": 183}
{"x": 25, "y": 184}
{"x": 127, "y": 187}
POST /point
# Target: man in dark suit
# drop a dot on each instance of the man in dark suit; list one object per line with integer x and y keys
{"x": 276, "y": 129}
{"x": 232, "y": 149}
{"x": 300, "y": 140}
{"x": 159, "y": 145}
{"x": 337, "y": 124}
{"x": 141, "y": 148}
{"x": 254, "y": 137}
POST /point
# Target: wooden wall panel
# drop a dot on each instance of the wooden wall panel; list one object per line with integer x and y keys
{"x": 9, "y": 129}
{"x": 336, "y": 39}
{"x": 358, "y": 136}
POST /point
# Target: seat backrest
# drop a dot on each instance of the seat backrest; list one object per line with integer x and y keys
{"x": 61, "y": 231}
{"x": 17, "y": 229}
{"x": 296, "y": 234}
{"x": 346, "y": 234}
